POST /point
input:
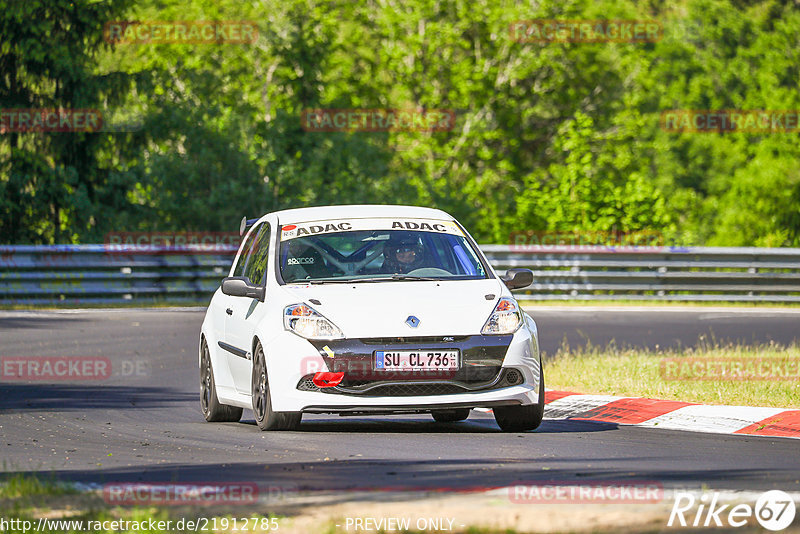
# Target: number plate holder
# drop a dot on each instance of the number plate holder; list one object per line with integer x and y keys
{"x": 417, "y": 360}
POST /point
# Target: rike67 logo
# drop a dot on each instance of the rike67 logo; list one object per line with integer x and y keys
{"x": 774, "y": 510}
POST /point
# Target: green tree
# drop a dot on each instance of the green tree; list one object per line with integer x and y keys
{"x": 56, "y": 187}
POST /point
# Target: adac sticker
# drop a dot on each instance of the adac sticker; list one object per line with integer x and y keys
{"x": 324, "y": 228}
{"x": 291, "y": 231}
{"x": 422, "y": 226}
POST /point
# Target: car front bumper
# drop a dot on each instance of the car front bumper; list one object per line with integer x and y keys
{"x": 486, "y": 361}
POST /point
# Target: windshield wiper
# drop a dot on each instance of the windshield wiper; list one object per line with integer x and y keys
{"x": 327, "y": 281}
{"x": 397, "y": 276}
{"x": 392, "y": 278}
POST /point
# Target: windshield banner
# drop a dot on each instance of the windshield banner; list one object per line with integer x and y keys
{"x": 292, "y": 231}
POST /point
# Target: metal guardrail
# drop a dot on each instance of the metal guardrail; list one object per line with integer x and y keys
{"x": 90, "y": 274}
{"x": 83, "y": 274}
{"x": 744, "y": 274}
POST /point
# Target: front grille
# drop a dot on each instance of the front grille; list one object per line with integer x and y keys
{"x": 307, "y": 384}
{"x": 481, "y": 366}
{"x": 506, "y": 378}
{"x": 481, "y": 357}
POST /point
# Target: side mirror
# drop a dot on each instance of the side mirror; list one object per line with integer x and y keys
{"x": 517, "y": 278}
{"x": 240, "y": 286}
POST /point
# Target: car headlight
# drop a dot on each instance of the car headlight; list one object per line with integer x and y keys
{"x": 505, "y": 319}
{"x": 306, "y": 322}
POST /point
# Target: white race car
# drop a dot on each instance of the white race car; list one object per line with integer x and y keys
{"x": 357, "y": 310}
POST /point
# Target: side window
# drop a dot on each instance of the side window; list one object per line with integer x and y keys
{"x": 247, "y": 249}
{"x": 257, "y": 264}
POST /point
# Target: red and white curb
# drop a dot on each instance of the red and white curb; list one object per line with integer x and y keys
{"x": 673, "y": 415}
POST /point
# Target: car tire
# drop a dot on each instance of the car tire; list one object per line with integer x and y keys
{"x": 213, "y": 411}
{"x": 521, "y": 418}
{"x": 266, "y": 418}
{"x": 450, "y": 416}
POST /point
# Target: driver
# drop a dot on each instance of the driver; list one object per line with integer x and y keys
{"x": 403, "y": 253}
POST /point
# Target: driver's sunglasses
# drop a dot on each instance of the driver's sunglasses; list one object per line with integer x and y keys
{"x": 402, "y": 250}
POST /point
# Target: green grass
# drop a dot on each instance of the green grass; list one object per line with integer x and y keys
{"x": 28, "y": 498}
{"x": 31, "y": 499}
{"x": 74, "y": 522}
{"x": 20, "y": 485}
{"x": 639, "y": 373}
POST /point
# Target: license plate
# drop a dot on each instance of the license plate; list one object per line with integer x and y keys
{"x": 411, "y": 360}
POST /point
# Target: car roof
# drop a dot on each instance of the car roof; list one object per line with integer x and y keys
{"x": 358, "y": 211}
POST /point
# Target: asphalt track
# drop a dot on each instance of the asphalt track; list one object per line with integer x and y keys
{"x": 144, "y": 424}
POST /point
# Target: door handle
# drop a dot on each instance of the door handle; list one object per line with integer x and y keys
{"x": 229, "y": 311}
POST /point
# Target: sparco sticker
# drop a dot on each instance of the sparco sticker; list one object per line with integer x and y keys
{"x": 292, "y": 231}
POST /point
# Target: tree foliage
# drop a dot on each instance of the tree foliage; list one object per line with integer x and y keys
{"x": 561, "y": 136}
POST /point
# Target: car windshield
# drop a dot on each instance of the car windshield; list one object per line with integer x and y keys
{"x": 344, "y": 251}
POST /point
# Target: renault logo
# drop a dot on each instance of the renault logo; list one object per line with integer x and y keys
{"x": 412, "y": 321}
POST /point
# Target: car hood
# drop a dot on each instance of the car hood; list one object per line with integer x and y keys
{"x": 380, "y": 309}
